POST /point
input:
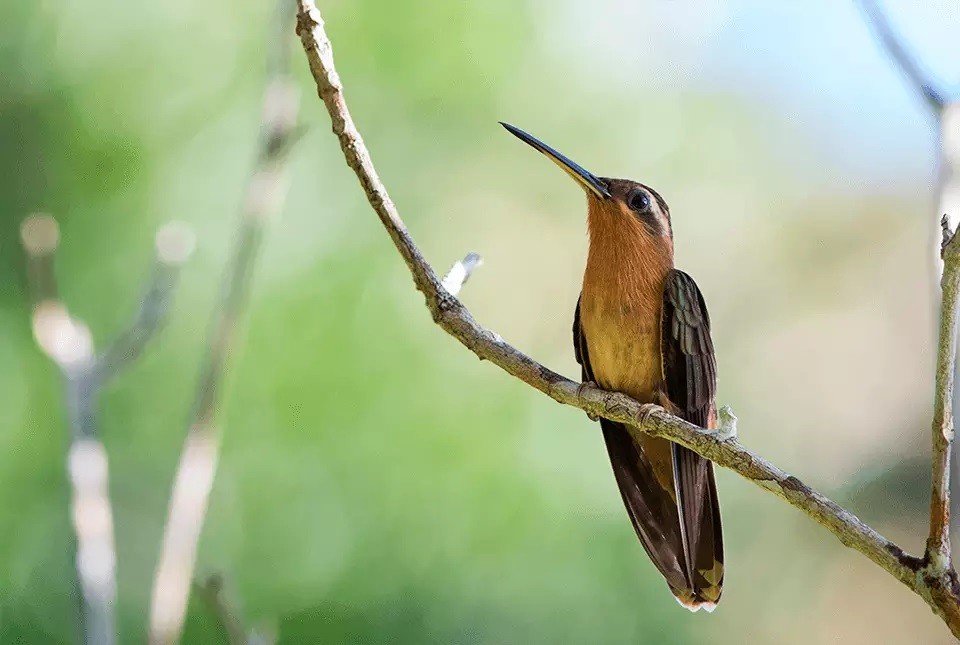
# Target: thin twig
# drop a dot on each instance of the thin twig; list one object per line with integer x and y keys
{"x": 174, "y": 244}
{"x": 40, "y": 237}
{"x": 897, "y": 51}
{"x": 198, "y": 460}
{"x": 69, "y": 344}
{"x": 940, "y": 592}
{"x": 948, "y": 176}
{"x": 938, "y": 542}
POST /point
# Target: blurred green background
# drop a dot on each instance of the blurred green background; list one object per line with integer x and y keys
{"x": 378, "y": 484}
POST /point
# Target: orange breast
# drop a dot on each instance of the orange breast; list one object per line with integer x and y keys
{"x": 621, "y": 299}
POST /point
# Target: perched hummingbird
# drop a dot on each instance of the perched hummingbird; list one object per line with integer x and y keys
{"x": 641, "y": 327}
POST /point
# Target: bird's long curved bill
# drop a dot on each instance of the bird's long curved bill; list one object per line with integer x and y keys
{"x": 583, "y": 177}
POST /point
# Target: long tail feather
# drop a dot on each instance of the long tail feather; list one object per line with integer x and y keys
{"x": 679, "y": 527}
{"x": 699, "y": 511}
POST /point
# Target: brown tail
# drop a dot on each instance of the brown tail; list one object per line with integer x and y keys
{"x": 678, "y": 522}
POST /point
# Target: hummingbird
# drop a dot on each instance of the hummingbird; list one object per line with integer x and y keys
{"x": 641, "y": 327}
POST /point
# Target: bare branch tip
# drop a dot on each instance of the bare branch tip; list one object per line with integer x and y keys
{"x": 40, "y": 234}
{"x": 175, "y": 243}
{"x": 308, "y": 13}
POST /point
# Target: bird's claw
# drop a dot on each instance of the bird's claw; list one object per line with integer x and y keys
{"x": 590, "y": 416}
{"x": 726, "y": 424}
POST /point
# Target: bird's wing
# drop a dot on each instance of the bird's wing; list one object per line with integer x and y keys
{"x": 690, "y": 384}
{"x": 580, "y": 346}
{"x": 651, "y": 508}
{"x": 689, "y": 363}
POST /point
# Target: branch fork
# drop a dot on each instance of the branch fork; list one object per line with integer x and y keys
{"x": 69, "y": 345}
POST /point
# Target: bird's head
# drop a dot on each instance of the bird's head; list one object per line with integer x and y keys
{"x": 617, "y": 207}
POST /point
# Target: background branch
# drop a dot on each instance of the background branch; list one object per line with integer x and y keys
{"x": 212, "y": 592}
{"x": 198, "y": 460}
{"x": 905, "y": 60}
{"x": 946, "y": 111}
{"x": 174, "y": 244}
{"x": 69, "y": 344}
{"x": 938, "y": 542}
{"x": 940, "y": 591}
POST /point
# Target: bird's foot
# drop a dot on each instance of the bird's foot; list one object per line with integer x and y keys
{"x": 664, "y": 402}
{"x": 590, "y": 416}
{"x": 726, "y": 423}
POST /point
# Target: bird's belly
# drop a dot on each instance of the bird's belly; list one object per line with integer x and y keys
{"x": 624, "y": 354}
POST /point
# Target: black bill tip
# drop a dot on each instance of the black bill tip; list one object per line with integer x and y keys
{"x": 584, "y": 177}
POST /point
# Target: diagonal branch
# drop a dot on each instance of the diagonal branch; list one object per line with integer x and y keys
{"x": 939, "y": 590}
{"x": 897, "y": 51}
{"x": 197, "y": 467}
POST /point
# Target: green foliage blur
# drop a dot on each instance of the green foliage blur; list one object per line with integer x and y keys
{"x": 378, "y": 484}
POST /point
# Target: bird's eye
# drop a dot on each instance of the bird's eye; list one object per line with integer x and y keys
{"x": 639, "y": 201}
